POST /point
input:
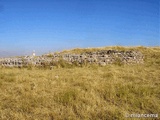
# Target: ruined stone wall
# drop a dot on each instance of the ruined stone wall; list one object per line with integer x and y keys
{"x": 102, "y": 57}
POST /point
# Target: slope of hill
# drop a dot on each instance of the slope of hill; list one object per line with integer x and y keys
{"x": 86, "y": 92}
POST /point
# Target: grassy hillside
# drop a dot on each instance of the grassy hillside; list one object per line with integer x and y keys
{"x": 82, "y": 93}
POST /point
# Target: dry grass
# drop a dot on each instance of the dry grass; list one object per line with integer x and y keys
{"x": 82, "y": 93}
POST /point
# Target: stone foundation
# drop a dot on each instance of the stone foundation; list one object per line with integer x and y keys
{"x": 102, "y": 57}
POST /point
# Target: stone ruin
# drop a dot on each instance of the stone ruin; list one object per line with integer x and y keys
{"x": 102, "y": 58}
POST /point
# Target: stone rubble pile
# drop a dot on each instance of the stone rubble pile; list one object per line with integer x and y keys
{"x": 102, "y": 57}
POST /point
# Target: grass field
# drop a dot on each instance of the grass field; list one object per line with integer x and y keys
{"x": 90, "y": 92}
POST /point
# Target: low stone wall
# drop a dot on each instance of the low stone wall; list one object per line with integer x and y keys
{"x": 102, "y": 57}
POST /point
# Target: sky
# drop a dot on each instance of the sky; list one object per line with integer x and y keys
{"x": 54, "y": 25}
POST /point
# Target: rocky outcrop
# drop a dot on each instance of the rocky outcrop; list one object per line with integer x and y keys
{"x": 102, "y": 57}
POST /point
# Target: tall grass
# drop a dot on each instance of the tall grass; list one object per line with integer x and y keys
{"x": 86, "y": 92}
